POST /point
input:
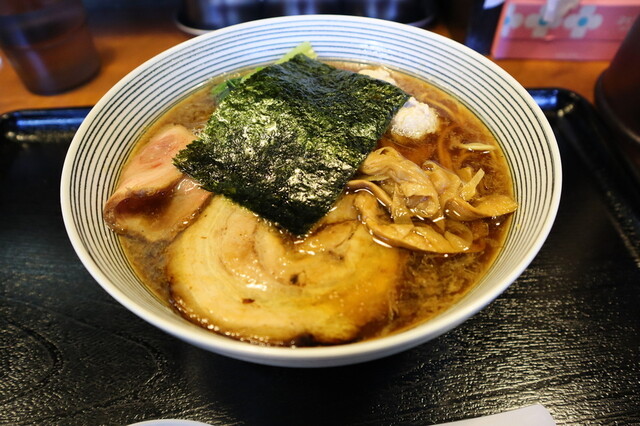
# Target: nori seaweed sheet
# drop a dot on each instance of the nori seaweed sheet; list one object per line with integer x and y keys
{"x": 285, "y": 141}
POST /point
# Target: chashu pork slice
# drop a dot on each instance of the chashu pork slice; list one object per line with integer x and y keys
{"x": 154, "y": 200}
{"x": 232, "y": 272}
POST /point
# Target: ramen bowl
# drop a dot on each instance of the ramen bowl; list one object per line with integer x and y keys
{"x": 107, "y": 136}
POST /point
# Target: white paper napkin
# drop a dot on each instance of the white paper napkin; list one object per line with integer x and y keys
{"x": 534, "y": 415}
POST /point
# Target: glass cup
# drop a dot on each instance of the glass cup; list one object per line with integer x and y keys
{"x": 48, "y": 43}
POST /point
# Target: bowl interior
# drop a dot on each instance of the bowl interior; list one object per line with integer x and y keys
{"x": 109, "y": 133}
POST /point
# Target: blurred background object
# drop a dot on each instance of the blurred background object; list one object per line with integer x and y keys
{"x": 415, "y": 12}
{"x": 212, "y": 14}
{"x": 300, "y": 7}
{"x": 205, "y": 15}
{"x": 472, "y": 22}
{"x": 617, "y": 95}
{"x": 48, "y": 43}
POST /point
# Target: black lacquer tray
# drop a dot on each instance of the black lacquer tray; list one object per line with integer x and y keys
{"x": 565, "y": 335}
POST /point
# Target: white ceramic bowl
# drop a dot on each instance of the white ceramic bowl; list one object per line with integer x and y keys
{"x": 108, "y": 134}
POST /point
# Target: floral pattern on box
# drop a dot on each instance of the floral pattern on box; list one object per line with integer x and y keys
{"x": 523, "y": 31}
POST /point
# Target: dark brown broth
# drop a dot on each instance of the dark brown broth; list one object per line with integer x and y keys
{"x": 432, "y": 282}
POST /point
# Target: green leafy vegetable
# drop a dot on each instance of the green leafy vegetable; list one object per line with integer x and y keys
{"x": 303, "y": 48}
{"x": 285, "y": 141}
{"x": 220, "y": 91}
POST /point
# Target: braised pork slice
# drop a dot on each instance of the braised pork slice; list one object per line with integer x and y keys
{"x": 154, "y": 200}
{"x": 254, "y": 283}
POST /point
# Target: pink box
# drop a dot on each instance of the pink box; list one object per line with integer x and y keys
{"x": 592, "y": 30}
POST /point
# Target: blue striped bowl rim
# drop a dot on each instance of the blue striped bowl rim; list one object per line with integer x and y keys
{"x": 110, "y": 131}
